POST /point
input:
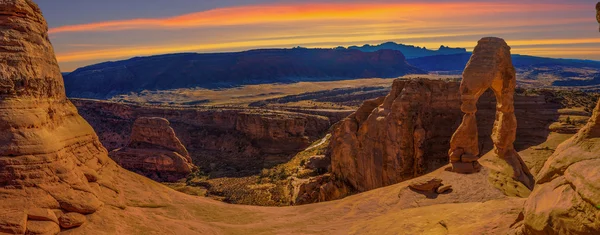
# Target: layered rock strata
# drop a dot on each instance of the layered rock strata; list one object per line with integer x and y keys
{"x": 155, "y": 151}
{"x": 217, "y": 138}
{"x": 50, "y": 158}
{"x": 490, "y": 67}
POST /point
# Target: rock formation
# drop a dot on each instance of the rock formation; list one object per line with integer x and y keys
{"x": 155, "y": 151}
{"x": 318, "y": 189}
{"x": 566, "y": 198}
{"x": 490, "y": 66}
{"x": 397, "y": 137}
{"x": 50, "y": 157}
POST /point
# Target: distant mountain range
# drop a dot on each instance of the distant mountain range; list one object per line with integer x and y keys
{"x": 223, "y": 70}
{"x": 457, "y": 62}
{"x": 409, "y": 51}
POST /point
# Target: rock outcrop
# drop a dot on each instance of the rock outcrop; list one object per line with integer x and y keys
{"x": 155, "y": 151}
{"x": 318, "y": 189}
{"x": 490, "y": 67}
{"x": 566, "y": 198}
{"x": 47, "y": 150}
{"x": 397, "y": 137}
{"x": 217, "y": 138}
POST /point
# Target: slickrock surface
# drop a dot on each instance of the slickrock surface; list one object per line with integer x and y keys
{"x": 490, "y": 66}
{"x": 216, "y": 138}
{"x": 46, "y": 148}
{"x": 566, "y": 198}
{"x": 155, "y": 151}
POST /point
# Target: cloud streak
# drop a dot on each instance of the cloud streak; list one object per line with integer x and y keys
{"x": 265, "y": 14}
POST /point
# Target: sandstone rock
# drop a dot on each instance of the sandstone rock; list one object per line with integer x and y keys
{"x": 566, "y": 199}
{"x": 13, "y": 221}
{"x": 426, "y": 185}
{"x": 71, "y": 220}
{"x": 443, "y": 189}
{"x": 46, "y": 146}
{"x": 42, "y": 228}
{"x": 396, "y": 138}
{"x": 490, "y": 66}
{"x": 40, "y": 214}
{"x": 155, "y": 151}
{"x": 318, "y": 189}
{"x": 466, "y": 167}
{"x": 320, "y": 162}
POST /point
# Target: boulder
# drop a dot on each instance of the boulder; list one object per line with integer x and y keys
{"x": 155, "y": 151}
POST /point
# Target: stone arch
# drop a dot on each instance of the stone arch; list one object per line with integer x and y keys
{"x": 490, "y": 67}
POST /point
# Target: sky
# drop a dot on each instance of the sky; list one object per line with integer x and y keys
{"x": 86, "y": 32}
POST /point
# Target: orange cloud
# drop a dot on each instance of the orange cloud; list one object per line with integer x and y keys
{"x": 262, "y": 14}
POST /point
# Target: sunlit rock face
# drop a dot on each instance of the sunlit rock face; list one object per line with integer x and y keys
{"x": 155, "y": 151}
{"x": 566, "y": 198}
{"x": 50, "y": 157}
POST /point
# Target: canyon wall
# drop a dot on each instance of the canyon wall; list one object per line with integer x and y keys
{"x": 237, "y": 139}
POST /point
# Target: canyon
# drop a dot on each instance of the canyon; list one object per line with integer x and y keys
{"x": 236, "y": 141}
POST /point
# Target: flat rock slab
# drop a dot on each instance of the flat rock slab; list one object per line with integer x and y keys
{"x": 13, "y": 221}
{"x": 42, "y": 228}
{"x": 426, "y": 185}
{"x": 40, "y": 214}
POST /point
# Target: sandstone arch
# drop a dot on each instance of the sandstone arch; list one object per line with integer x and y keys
{"x": 490, "y": 67}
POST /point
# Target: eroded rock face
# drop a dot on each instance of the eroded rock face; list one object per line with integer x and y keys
{"x": 155, "y": 151}
{"x": 397, "y": 137}
{"x": 216, "y": 138}
{"x": 46, "y": 147}
{"x": 490, "y": 66}
{"x": 566, "y": 198}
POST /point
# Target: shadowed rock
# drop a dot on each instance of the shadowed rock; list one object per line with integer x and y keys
{"x": 490, "y": 67}
{"x": 46, "y": 148}
{"x": 155, "y": 151}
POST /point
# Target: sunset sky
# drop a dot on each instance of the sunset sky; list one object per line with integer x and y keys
{"x": 85, "y": 32}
